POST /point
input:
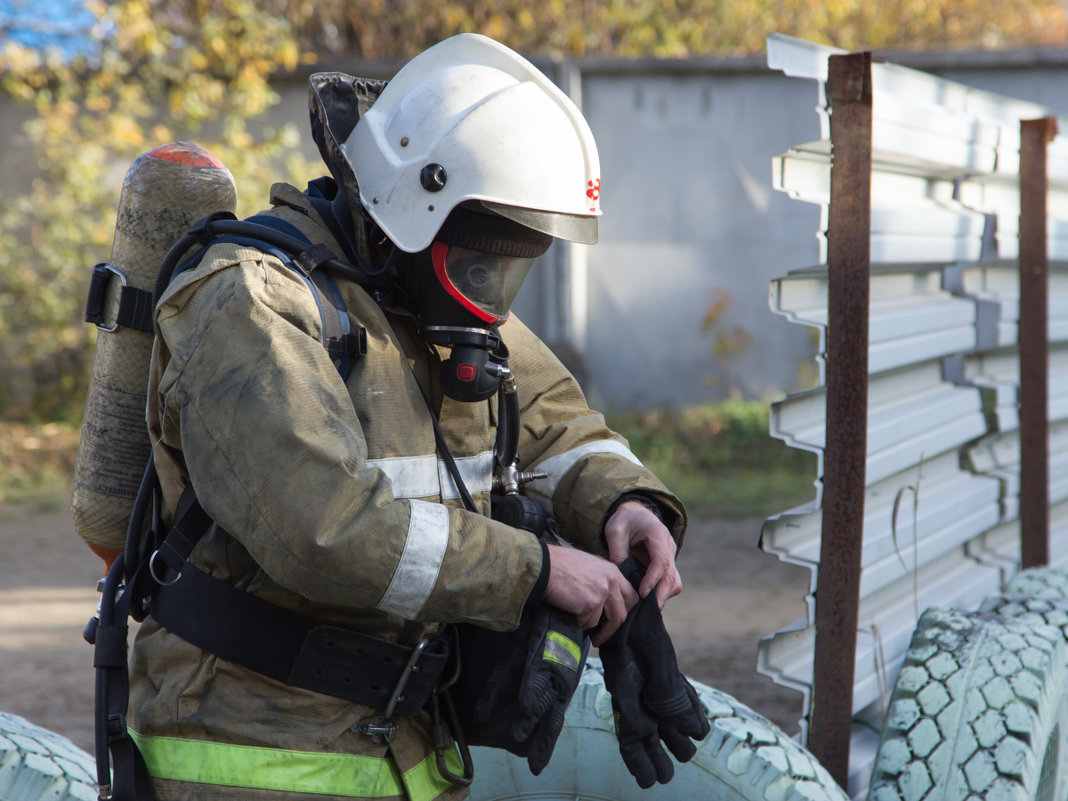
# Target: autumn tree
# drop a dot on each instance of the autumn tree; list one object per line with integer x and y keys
{"x": 161, "y": 70}
{"x": 384, "y": 29}
{"x": 154, "y": 76}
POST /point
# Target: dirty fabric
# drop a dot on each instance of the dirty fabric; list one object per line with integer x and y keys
{"x": 330, "y": 497}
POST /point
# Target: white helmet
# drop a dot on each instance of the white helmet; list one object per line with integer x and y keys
{"x": 471, "y": 120}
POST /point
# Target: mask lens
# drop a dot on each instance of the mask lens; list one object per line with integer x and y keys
{"x": 489, "y": 283}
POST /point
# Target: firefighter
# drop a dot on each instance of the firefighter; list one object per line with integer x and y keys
{"x": 350, "y": 512}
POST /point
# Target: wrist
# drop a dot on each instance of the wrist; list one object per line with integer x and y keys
{"x": 639, "y": 498}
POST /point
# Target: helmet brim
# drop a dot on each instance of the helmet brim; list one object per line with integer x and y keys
{"x": 581, "y": 228}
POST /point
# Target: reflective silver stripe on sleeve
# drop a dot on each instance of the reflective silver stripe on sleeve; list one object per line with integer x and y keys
{"x": 420, "y": 563}
{"x": 412, "y": 476}
{"x": 557, "y": 466}
{"x": 476, "y": 472}
{"x": 428, "y": 476}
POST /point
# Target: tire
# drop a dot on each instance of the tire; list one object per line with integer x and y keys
{"x": 744, "y": 758}
{"x": 1041, "y": 610}
{"x": 978, "y": 712}
{"x": 36, "y": 764}
{"x": 1039, "y": 582}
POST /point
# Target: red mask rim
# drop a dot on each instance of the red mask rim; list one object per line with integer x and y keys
{"x": 438, "y": 252}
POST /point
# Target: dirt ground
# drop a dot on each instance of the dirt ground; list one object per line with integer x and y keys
{"x": 734, "y": 594}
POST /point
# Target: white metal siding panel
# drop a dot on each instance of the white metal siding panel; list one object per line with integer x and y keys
{"x": 942, "y": 500}
{"x": 912, "y": 414}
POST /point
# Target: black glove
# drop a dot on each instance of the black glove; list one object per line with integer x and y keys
{"x": 555, "y": 654}
{"x": 652, "y": 700}
{"x": 515, "y": 687}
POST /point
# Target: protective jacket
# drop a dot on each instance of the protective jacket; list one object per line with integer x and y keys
{"x": 330, "y": 498}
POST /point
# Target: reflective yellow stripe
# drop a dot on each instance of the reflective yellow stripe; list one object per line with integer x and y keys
{"x": 562, "y": 650}
{"x": 350, "y": 775}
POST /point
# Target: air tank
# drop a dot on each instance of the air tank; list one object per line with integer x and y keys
{"x": 165, "y": 191}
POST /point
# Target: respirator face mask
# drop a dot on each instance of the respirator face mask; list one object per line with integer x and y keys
{"x": 483, "y": 284}
{"x": 461, "y": 289}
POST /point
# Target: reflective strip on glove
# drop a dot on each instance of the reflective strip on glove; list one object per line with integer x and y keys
{"x": 561, "y": 649}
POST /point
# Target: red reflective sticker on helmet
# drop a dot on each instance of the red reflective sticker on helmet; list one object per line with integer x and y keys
{"x": 593, "y": 192}
{"x": 186, "y": 153}
{"x": 465, "y": 371}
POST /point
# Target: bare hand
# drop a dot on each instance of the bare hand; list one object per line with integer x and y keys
{"x": 633, "y": 530}
{"x": 591, "y": 588}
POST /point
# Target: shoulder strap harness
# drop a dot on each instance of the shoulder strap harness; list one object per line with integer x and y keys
{"x": 153, "y": 576}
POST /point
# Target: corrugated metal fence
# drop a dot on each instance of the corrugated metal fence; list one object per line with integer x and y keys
{"x": 941, "y": 506}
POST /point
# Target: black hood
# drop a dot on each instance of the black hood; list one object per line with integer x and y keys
{"x": 336, "y": 102}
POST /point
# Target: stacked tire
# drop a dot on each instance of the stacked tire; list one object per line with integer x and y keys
{"x": 36, "y": 764}
{"x": 980, "y": 707}
{"x": 744, "y": 758}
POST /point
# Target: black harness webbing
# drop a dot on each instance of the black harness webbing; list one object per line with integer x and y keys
{"x": 244, "y": 629}
{"x": 131, "y": 778}
{"x": 135, "y": 305}
{"x": 155, "y": 576}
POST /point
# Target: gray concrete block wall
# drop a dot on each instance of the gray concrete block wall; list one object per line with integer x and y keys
{"x": 689, "y": 213}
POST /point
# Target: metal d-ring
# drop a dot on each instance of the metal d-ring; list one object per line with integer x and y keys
{"x": 110, "y": 268}
{"x": 152, "y": 570}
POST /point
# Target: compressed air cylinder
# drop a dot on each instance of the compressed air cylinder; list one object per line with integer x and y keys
{"x": 165, "y": 191}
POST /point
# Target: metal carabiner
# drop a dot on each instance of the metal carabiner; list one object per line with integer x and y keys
{"x": 383, "y": 727}
{"x": 441, "y": 742}
{"x": 156, "y": 576}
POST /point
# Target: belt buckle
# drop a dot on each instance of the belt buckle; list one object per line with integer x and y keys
{"x": 378, "y": 730}
{"x": 94, "y": 307}
{"x": 383, "y": 727}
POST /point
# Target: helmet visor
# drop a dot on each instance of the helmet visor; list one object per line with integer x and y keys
{"x": 483, "y": 284}
{"x": 580, "y": 228}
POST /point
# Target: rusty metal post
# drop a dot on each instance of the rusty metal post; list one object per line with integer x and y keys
{"x": 1034, "y": 343}
{"x": 845, "y": 453}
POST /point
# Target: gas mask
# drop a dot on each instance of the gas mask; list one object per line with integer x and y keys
{"x": 461, "y": 289}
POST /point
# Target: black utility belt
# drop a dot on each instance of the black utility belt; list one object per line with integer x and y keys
{"x": 241, "y": 628}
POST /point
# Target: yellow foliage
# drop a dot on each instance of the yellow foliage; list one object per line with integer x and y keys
{"x": 167, "y": 69}
{"x": 205, "y": 65}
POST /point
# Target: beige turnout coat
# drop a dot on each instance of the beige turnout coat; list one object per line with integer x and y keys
{"x": 330, "y": 499}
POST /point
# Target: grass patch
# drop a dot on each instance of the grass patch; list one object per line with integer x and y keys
{"x": 720, "y": 459}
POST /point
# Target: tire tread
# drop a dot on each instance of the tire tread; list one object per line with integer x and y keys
{"x": 36, "y": 764}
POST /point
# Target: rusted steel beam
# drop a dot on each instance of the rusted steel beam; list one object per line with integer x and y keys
{"x": 845, "y": 454}
{"x": 1034, "y": 342}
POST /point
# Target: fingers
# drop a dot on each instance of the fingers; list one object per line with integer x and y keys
{"x": 661, "y": 572}
{"x": 591, "y": 588}
{"x": 621, "y": 598}
{"x": 615, "y": 609}
{"x": 681, "y": 747}
{"x": 634, "y": 529}
{"x": 664, "y": 576}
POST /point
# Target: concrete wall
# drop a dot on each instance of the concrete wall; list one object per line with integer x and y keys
{"x": 690, "y": 216}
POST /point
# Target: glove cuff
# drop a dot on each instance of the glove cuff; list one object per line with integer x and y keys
{"x": 537, "y": 592}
